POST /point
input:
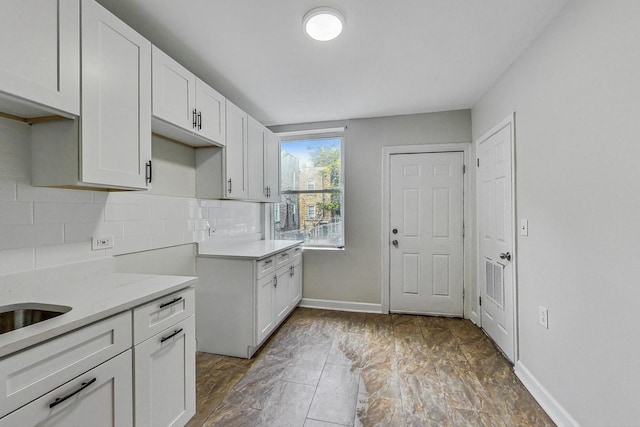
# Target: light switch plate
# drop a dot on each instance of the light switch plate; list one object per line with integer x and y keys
{"x": 544, "y": 317}
{"x": 524, "y": 227}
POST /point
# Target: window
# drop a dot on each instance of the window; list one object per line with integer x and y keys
{"x": 311, "y": 183}
{"x": 311, "y": 212}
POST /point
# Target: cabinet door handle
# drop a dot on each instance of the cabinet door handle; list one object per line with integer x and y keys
{"x": 291, "y": 271}
{"x": 59, "y": 400}
{"x": 149, "y": 172}
{"x": 275, "y": 281}
{"x": 168, "y": 337}
{"x": 173, "y": 301}
{"x": 194, "y": 115}
{"x": 199, "y": 120}
{"x": 229, "y": 185}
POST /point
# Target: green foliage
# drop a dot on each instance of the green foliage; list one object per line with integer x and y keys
{"x": 329, "y": 160}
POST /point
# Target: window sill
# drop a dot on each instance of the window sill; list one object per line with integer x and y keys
{"x": 323, "y": 248}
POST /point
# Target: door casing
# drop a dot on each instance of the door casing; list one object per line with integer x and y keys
{"x": 469, "y": 211}
{"x": 476, "y": 316}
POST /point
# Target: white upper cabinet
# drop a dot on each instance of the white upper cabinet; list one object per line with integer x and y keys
{"x": 184, "y": 107}
{"x": 255, "y": 160}
{"x": 272, "y": 167}
{"x": 40, "y": 58}
{"x": 235, "y": 155}
{"x": 112, "y": 138}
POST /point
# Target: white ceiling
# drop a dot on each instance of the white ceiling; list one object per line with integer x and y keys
{"x": 394, "y": 57}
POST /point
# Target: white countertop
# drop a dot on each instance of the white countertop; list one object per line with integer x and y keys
{"x": 244, "y": 249}
{"x": 92, "y": 295}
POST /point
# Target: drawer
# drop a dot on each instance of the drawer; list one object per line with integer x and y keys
{"x": 283, "y": 258}
{"x": 265, "y": 266}
{"x": 99, "y": 397}
{"x": 28, "y": 374}
{"x": 160, "y": 314}
{"x": 295, "y": 252}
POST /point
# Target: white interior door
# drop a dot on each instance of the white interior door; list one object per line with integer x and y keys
{"x": 426, "y": 233}
{"x": 495, "y": 228}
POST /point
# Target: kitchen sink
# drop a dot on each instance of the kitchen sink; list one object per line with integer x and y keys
{"x": 18, "y": 316}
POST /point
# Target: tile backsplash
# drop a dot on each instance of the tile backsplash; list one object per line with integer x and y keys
{"x": 42, "y": 227}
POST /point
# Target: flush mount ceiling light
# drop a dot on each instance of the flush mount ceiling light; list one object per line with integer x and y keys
{"x": 323, "y": 23}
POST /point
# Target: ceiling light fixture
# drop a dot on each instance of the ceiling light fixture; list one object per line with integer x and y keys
{"x": 323, "y": 23}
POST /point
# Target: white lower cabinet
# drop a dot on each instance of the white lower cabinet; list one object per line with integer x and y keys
{"x": 240, "y": 302}
{"x": 165, "y": 377}
{"x": 91, "y": 376}
{"x": 99, "y": 397}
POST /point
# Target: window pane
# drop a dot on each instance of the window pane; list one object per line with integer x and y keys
{"x": 310, "y": 208}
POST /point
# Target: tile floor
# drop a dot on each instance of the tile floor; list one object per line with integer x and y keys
{"x": 328, "y": 368}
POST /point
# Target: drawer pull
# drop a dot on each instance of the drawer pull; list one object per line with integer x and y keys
{"x": 173, "y": 301}
{"x": 284, "y": 255}
{"x": 168, "y": 337}
{"x": 268, "y": 262}
{"x": 59, "y": 400}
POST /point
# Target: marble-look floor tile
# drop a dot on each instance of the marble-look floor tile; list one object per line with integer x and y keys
{"x": 468, "y": 418}
{"x": 379, "y": 383}
{"x": 288, "y": 405}
{"x": 346, "y": 349}
{"x": 317, "y": 423}
{"x": 336, "y": 395}
{"x": 378, "y": 411}
{"x": 327, "y": 369}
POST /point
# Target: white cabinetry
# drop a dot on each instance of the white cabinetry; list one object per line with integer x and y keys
{"x": 240, "y": 302}
{"x": 235, "y": 153}
{"x": 262, "y": 162}
{"x": 110, "y": 145}
{"x": 184, "y": 107}
{"x": 46, "y": 369}
{"x": 164, "y": 337}
{"x": 99, "y": 397}
{"x": 40, "y": 57}
{"x": 247, "y": 168}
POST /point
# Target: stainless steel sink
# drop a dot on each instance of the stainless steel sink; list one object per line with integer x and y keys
{"x": 18, "y": 316}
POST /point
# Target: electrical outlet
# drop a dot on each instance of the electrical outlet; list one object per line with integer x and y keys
{"x": 543, "y": 317}
{"x": 212, "y": 231}
{"x": 102, "y": 242}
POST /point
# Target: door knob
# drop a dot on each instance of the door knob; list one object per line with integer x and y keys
{"x": 506, "y": 256}
{"x": 395, "y": 243}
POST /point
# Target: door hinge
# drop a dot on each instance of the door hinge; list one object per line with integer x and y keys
{"x": 478, "y": 162}
{"x": 463, "y": 230}
{"x": 463, "y": 293}
{"x": 480, "y": 300}
{"x": 464, "y": 169}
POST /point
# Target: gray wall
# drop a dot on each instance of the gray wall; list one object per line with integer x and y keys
{"x": 576, "y": 95}
{"x": 354, "y": 274}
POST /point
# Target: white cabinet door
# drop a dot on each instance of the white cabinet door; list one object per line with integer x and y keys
{"x": 174, "y": 91}
{"x": 40, "y": 55}
{"x": 116, "y": 100}
{"x": 165, "y": 377}
{"x": 211, "y": 118}
{"x": 236, "y": 152}
{"x": 255, "y": 160}
{"x": 295, "y": 284}
{"x": 272, "y": 167}
{"x": 282, "y": 301}
{"x": 100, "y": 397}
{"x": 265, "y": 307}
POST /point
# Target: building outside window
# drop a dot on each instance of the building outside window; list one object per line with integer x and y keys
{"x": 311, "y": 212}
{"x": 315, "y": 161}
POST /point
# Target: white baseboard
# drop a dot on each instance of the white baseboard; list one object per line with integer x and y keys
{"x": 326, "y": 304}
{"x": 551, "y": 406}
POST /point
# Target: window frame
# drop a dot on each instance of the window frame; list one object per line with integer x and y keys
{"x": 312, "y": 134}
